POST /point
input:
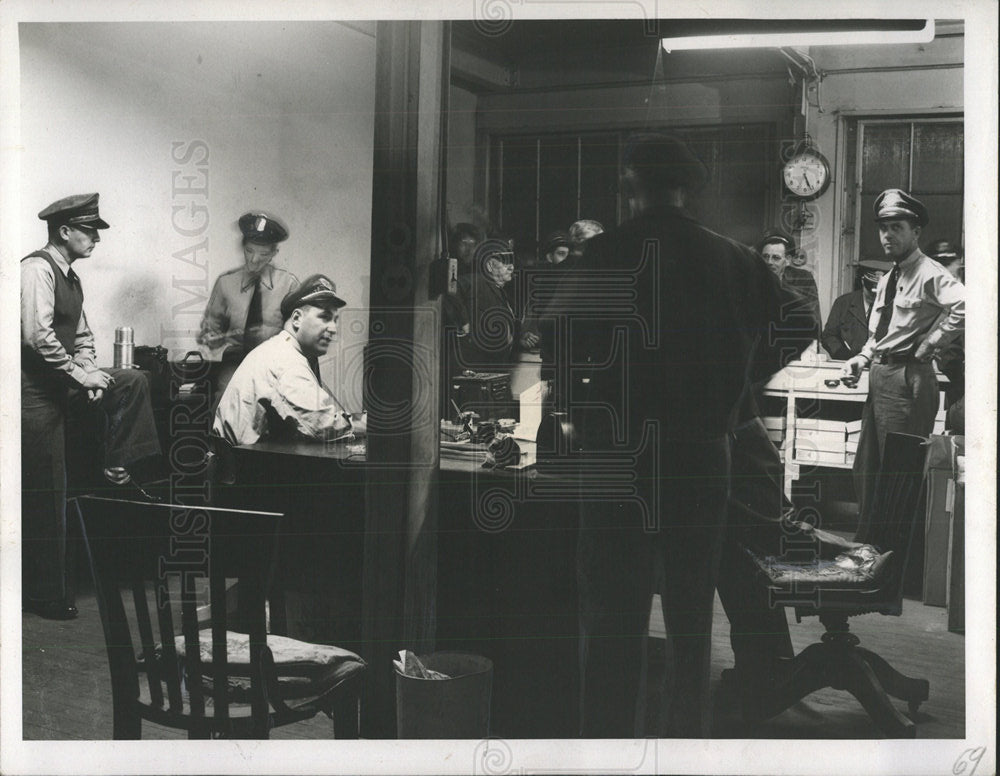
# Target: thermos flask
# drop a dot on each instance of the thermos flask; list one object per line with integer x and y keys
{"x": 124, "y": 347}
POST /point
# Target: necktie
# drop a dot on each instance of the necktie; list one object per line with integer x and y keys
{"x": 314, "y": 366}
{"x": 885, "y": 315}
{"x": 73, "y": 278}
{"x": 255, "y": 319}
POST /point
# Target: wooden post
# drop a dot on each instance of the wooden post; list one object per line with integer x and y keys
{"x": 402, "y": 363}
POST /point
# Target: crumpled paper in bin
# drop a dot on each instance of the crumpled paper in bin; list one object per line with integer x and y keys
{"x": 411, "y": 665}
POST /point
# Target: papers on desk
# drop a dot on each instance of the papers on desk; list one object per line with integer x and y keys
{"x": 530, "y": 400}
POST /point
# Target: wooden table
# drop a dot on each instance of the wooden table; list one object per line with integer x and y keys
{"x": 803, "y": 386}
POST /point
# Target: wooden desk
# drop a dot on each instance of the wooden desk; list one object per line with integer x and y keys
{"x": 806, "y": 381}
{"x": 506, "y": 575}
{"x": 321, "y": 490}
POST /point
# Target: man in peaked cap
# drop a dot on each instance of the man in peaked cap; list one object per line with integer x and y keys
{"x": 277, "y": 390}
{"x": 919, "y": 310}
{"x": 655, "y": 380}
{"x": 245, "y": 306}
{"x": 59, "y": 381}
{"x": 846, "y": 330}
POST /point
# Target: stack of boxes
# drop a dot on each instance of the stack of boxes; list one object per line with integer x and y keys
{"x": 830, "y": 442}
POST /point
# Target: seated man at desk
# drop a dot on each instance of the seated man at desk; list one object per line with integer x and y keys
{"x": 244, "y": 308}
{"x": 277, "y": 390}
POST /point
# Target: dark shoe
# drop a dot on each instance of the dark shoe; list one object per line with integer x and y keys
{"x": 51, "y": 610}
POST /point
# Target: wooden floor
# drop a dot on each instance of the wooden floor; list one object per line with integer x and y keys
{"x": 67, "y": 696}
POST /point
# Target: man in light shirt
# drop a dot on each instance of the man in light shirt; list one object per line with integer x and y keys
{"x": 60, "y": 383}
{"x": 919, "y": 310}
{"x": 277, "y": 390}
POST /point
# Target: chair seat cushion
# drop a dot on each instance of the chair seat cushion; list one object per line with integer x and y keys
{"x": 860, "y": 568}
{"x": 305, "y": 671}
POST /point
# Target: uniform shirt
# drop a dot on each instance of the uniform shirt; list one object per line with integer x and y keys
{"x": 37, "y": 312}
{"x": 929, "y": 307}
{"x": 226, "y": 313}
{"x": 277, "y": 375}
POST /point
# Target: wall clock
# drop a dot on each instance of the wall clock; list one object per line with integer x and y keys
{"x": 806, "y": 175}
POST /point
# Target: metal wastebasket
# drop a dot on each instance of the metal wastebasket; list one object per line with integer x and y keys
{"x": 458, "y": 707}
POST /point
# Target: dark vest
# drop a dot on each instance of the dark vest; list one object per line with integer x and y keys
{"x": 65, "y": 319}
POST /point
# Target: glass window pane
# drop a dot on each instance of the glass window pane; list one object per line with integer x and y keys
{"x": 519, "y": 192}
{"x": 599, "y": 179}
{"x": 870, "y": 247}
{"x": 885, "y": 157}
{"x": 945, "y": 218}
{"x": 558, "y": 184}
{"x": 937, "y": 158}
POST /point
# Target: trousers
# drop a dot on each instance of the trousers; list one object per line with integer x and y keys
{"x": 125, "y": 423}
{"x": 902, "y": 398}
{"x": 618, "y": 556}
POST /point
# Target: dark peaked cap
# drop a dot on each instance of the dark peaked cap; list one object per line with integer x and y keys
{"x": 75, "y": 210}
{"x": 316, "y": 290}
{"x": 896, "y": 204}
{"x": 664, "y": 161}
{"x": 258, "y": 227}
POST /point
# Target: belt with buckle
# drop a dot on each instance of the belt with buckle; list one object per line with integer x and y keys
{"x": 891, "y": 359}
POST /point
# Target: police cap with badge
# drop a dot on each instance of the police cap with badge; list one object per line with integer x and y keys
{"x": 896, "y": 205}
{"x": 75, "y": 210}
{"x": 316, "y": 290}
{"x": 872, "y": 270}
{"x": 262, "y": 228}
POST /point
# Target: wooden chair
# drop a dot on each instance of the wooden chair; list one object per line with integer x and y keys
{"x": 230, "y": 679}
{"x": 815, "y": 587}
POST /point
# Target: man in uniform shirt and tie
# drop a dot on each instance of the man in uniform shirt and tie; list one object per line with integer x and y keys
{"x": 245, "y": 306}
{"x": 59, "y": 379}
{"x": 919, "y": 309}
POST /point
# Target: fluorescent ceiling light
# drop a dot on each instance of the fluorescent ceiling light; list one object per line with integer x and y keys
{"x": 811, "y": 33}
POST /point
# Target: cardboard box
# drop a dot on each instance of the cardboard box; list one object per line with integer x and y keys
{"x": 830, "y": 441}
{"x": 844, "y": 427}
{"x": 808, "y": 455}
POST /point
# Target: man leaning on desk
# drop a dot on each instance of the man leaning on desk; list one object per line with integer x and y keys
{"x": 277, "y": 390}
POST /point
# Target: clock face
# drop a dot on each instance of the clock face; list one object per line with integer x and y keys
{"x": 806, "y": 175}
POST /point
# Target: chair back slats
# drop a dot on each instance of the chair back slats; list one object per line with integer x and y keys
{"x": 192, "y": 652}
{"x": 220, "y": 663}
{"x": 254, "y": 598}
{"x": 170, "y": 551}
{"x": 171, "y": 665}
{"x": 151, "y": 661}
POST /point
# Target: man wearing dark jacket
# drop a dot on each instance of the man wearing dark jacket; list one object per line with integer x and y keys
{"x": 777, "y": 250}
{"x": 665, "y": 322}
{"x": 846, "y": 330}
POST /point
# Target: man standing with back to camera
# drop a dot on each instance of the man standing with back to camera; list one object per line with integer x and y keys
{"x": 919, "y": 309}
{"x": 703, "y": 303}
